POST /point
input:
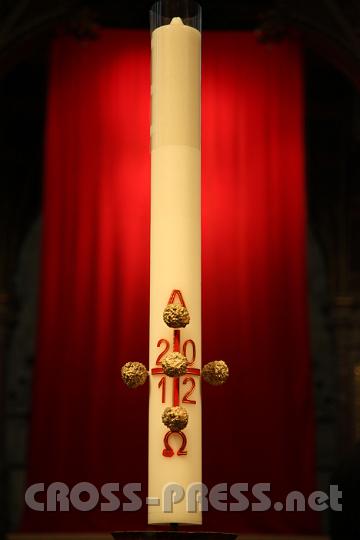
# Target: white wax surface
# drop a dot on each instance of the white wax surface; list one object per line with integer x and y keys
{"x": 175, "y": 249}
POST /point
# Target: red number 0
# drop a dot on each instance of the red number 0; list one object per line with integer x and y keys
{"x": 189, "y": 392}
{"x": 186, "y": 343}
{"x": 167, "y": 347}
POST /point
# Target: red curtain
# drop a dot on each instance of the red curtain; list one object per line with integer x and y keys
{"x": 86, "y": 425}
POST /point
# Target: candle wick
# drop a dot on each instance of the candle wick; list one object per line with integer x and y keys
{"x": 177, "y": 20}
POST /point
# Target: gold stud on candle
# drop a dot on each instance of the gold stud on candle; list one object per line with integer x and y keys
{"x": 215, "y": 373}
{"x": 174, "y": 364}
{"x": 176, "y": 316}
{"x": 175, "y": 418}
{"x": 134, "y": 374}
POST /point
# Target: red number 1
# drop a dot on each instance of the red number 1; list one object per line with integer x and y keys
{"x": 162, "y": 384}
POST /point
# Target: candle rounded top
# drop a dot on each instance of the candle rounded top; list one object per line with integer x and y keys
{"x": 177, "y": 20}
{"x": 185, "y": 12}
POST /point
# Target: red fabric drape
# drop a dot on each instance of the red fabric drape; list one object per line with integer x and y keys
{"x": 86, "y": 426}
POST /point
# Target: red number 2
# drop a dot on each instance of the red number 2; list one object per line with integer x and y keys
{"x": 167, "y": 347}
{"x": 189, "y": 392}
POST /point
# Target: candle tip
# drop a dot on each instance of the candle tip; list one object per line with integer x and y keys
{"x": 177, "y": 20}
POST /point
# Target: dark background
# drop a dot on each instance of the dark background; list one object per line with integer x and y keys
{"x": 330, "y": 33}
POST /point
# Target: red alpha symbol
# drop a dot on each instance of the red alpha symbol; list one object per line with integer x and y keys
{"x": 168, "y": 451}
{"x": 173, "y": 295}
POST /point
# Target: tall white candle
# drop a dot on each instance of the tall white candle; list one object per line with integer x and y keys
{"x": 175, "y": 261}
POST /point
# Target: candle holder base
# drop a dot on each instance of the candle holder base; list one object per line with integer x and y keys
{"x": 172, "y": 535}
